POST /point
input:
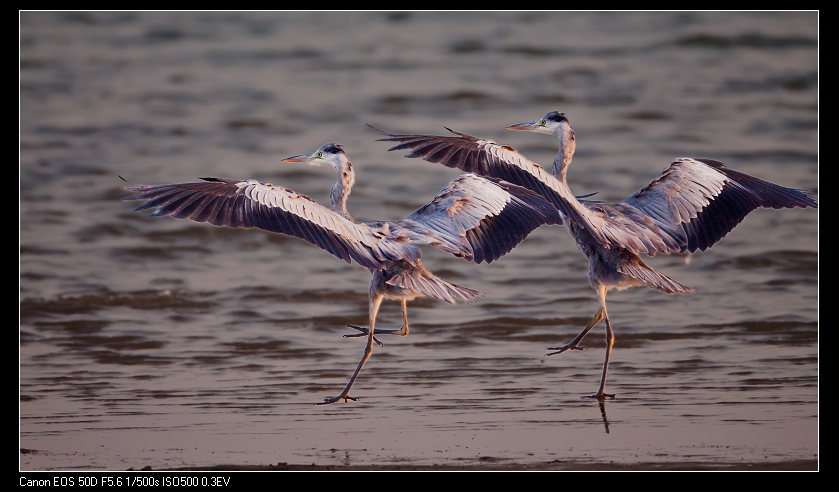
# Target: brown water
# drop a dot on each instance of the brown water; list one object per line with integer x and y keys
{"x": 156, "y": 342}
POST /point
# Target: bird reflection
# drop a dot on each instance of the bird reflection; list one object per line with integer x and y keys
{"x": 602, "y": 403}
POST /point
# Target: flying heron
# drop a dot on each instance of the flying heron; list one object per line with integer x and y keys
{"x": 691, "y": 205}
{"x": 476, "y": 218}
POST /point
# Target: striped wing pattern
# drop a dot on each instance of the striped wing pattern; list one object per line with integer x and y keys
{"x": 252, "y": 204}
{"x": 691, "y": 205}
{"x": 699, "y": 201}
{"x": 491, "y": 216}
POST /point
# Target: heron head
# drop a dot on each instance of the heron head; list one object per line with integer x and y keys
{"x": 329, "y": 154}
{"x": 552, "y": 123}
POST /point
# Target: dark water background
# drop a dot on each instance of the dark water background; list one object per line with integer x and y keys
{"x": 156, "y": 342}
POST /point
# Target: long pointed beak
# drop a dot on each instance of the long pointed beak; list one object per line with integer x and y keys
{"x": 299, "y": 158}
{"x": 529, "y": 125}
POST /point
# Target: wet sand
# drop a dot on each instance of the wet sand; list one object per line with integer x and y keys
{"x": 501, "y": 464}
{"x": 803, "y": 465}
{"x": 151, "y": 342}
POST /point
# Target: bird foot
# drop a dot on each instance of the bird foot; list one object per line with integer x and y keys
{"x": 564, "y": 348}
{"x": 601, "y": 396}
{"x": 364, "y": 333}
{"x": 346, "y": 398}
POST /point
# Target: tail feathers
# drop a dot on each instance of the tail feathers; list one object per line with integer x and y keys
{"x": 654, "y": 279}
{"x": 430, "y": 285}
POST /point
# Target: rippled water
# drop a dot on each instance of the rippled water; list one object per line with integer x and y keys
{"x": 163, "y": 343}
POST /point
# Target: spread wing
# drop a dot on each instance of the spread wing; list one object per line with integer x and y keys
{"x": 250, "y": 203}
{"x": 490, "y": 216}
{"x": 487, "y": 158}
{"x": 691, "y": 205}
{"x": 699, "y": 201}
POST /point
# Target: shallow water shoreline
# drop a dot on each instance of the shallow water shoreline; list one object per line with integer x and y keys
{"x": 151, "y": 342}
{"x": 795, "y": 465}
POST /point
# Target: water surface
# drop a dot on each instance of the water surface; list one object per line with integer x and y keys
{"x": 163, "y": 343}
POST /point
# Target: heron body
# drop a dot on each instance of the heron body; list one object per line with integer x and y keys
{"x": 473, "y": 217}
{"x": 689, "y": 206}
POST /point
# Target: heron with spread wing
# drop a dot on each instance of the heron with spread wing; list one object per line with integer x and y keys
{"x": 691, "y": 205}
{"x": 476, "y": 218}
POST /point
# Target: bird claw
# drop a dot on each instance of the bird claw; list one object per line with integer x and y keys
{"x": 564, "y": 348}
{"x": 601, "y": 397}
{"x": 346, "y": 398}
{"x": 364, "y": 332}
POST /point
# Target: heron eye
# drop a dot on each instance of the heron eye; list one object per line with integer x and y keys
{"x": 318, "y": 154}
{"x": 542, "y": 122}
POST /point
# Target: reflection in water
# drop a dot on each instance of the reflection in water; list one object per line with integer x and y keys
{"x": 169, "y": 343}
{"x": 601, "y": 402}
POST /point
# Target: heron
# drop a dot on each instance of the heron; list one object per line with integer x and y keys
{"x": 476, "y": 218}
{"x": 691, "y": 205}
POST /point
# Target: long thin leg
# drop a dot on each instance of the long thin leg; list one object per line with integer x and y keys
{"x": 375, "y": 302}
{"x": 573, "y": 345}
{"x": 404, "y": 330}
{"x": 401, "y": 331}
{"x": 610, "y": 340}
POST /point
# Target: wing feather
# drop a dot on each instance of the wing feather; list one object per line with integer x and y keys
{"x": 705, "y": 200}
{"x": 488, "y": 216}
{"x": 487, "y": 158}
{"x": 252, "y": 204}
{"x": 691, "y": 205}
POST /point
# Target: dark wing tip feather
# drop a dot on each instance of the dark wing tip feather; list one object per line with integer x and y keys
{"x": 499, "y": 234}
{"x": 221, "y": 202}
{"x": 766, "y": 194}
{"x": 741, "y": 195}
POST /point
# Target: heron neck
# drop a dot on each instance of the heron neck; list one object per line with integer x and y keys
{"x": 342, "y": 188}
{"x": 567, "y": 145}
